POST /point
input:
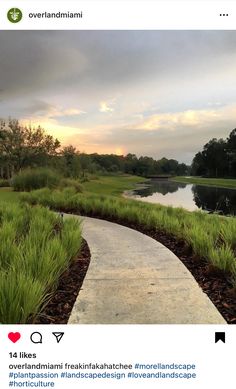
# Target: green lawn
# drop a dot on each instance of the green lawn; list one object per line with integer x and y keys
{"x": 7, "y": 195}
{"x": 112, "y": 185}
{"x": 222, "y": 182}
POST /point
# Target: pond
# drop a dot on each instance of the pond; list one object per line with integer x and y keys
{"x": 188, "y": 196}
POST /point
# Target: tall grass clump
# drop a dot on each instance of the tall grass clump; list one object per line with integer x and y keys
{"x": 36, "y": 247}
{"x": 4, "y": 183}
{"x": 30, "y": 179}
{"x": 200, "y": 240}
{"x": 71, "y": 183}
{"x": 223, "y": 258}
{"x": 21, "y": 296}
{"x": 211, "y": 237}
{"x": 228, "y": 234}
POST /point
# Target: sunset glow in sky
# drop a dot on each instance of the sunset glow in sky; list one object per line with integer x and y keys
{"x": 155, "y": 93}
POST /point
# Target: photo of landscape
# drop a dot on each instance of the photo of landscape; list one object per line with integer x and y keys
{"x": 118, "y": 177}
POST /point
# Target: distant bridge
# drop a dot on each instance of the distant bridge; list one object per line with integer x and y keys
{"x": 159, "y": 177}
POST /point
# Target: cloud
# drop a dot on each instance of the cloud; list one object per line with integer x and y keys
{"x": 44, "y": 110}
{"x": 71, "y": 112}
{"x": 39, "y": 61}
{"x": 106, "y": 106}
{"x": 171, "y": 121}
{"x": 179, "y": 135}
{"x": 174, "y": 90}
{"x": 80, "y": 62}
{"x": 59, "y": 112}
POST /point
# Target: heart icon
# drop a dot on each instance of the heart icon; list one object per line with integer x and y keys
{"x": 14, "y": 336}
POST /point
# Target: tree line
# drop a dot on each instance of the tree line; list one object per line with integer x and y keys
{"x": 24, "y": 147}
{"x": 217, "y": 159}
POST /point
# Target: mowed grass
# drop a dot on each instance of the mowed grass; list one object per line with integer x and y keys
{"x": 36, "y": 247}
{"x": 221, "y": 182}
{"x": 112, "y": 185}
{"x": 8, "y": 195}
{"x": 210, "y": 236}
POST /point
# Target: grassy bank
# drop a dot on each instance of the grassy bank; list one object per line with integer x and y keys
{"x": 221, "y": 182}
{"x": 36, "y": 248}
{"x": 107, "y": 185}
{"x": 112, "y": 185}
{"x": 210, "y": 236}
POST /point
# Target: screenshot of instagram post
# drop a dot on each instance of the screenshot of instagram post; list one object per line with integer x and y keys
{"x": 117, "y": 194}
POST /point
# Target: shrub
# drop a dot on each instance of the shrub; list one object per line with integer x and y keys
{"x": 84, "y": 178}
{"x": 69, "y": 182}
{"x": 4, "y": 183}
{"x": 30, "y": 179}
{"x": 93, "y": 177}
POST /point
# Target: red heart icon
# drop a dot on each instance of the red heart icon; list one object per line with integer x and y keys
{"x": 14, "y": 336}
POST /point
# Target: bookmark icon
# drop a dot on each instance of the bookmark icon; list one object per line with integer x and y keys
{"x": 220, "y": 336}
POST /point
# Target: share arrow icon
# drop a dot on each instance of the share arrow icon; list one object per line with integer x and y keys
{"x": 58, "y": 336}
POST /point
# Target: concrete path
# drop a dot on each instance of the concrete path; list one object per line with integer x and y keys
{"x": 133, "y": 279}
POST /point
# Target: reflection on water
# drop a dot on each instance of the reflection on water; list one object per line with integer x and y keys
{"x": 188, "y": 196}
{"x": 159, "y": 186}
{"x": 215, "y": 199}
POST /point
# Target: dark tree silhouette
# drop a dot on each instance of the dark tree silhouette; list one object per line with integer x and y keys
{"x": 218, "y": 158}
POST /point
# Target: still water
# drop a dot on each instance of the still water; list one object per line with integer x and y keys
{"x": 188, "y": 196}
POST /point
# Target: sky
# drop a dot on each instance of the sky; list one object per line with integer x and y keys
{"x": 154, "y": 93}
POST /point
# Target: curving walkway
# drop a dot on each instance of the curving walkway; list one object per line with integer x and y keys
{"x": 133, "y": 279}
